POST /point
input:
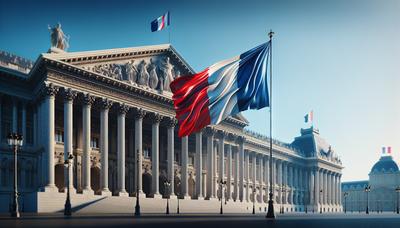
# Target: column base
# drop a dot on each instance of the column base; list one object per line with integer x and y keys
{"x": 157, "y": 196}
{"x": 173, "y": 197}
{"x": 213, "y": 199}
{"x": 49, "y": 188}
{"x": 123, "y": 193}
{"x": 106, "y": 192}
{"x": 141, "y": 194}
{"x": 200, "y": 198}
{"x": 87, "y": 191}
{"x": 187, "y": 197}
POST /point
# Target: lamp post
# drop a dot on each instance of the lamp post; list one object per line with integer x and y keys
{"x": 221, "y": 187}
{"x": 67, "y": 206}
{"x": 167, "y": 184}
{"x": 367, "y": 190}
{"x": 137, "y": 207}
{"x": 320, "y": 197}
{"x": 397, "y": 193}
{"x": 345, "y": 194}
{"x": 254, "y": 200}
{"x": 15, "y": 140}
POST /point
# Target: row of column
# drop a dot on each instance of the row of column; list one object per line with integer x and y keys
{"x": 326, "y": 187}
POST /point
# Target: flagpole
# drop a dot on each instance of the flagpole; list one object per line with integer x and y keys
{"x": 169, "y": 26}
{"x": 270, "y": 212}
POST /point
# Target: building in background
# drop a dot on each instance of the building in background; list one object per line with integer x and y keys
{"x": 384, "y": 178}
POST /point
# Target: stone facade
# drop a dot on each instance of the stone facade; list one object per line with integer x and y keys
{"x": 108, "y": 107}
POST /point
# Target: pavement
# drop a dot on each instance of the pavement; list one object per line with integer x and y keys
{"x": 297, "y": 220}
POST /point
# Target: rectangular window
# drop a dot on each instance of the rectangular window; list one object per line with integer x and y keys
{"x": 94, "y": 142}
{"x": 59, "y": 136}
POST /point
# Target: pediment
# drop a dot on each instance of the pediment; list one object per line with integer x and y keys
{"x": 149, "y": 66}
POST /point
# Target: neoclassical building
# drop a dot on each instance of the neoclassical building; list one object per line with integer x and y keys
{"x": 384, "y": 178}
{"x": 107, "y": 107}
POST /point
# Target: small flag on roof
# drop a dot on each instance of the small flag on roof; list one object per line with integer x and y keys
{"x": 309, "y": 117}
{"x": 160, "y": 23}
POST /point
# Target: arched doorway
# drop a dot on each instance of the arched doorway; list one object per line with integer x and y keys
{"x": 95, "y": 179}
{"x": 59, "y": 172}
{"x": 146, "y": 183}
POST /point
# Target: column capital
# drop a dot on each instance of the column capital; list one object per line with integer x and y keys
{"x": 139, "y": 113}
{"x": 231, "y": 137}
{"x": 123, "y": 108}
{"x": 49, "y": 89}
{"x": 171, "y": 122}
{"x": 220, "y": 134}
{"x": 209, "y": 131}
{"x": 240, "y": 139}
{"x": 155, "y": 117}
{"x": 69, "y": 94}
{"x": 105, "y": 104}
{"x": 87, "y": 99}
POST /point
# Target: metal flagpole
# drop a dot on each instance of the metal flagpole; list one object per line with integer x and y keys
{"x": 270, "y": 213}
{"x": 169, "y": 26}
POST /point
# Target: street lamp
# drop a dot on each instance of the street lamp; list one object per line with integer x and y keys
{"x": 67, "y": 206}
{"x": 345, "y": 194}
{"x": 178, "y": 184}
{"x": 137, "y": 207}
{"x": 397, "y": 191}
{"x": 15, "y": 140}
{"x": 283, "y": 190}
{"x": 254, "y": 200}
{"x": 367, "y": 190}
{"x": 320, "y": 197}
{"x": 221, "y": 187}
{"x": 167, "y": 184}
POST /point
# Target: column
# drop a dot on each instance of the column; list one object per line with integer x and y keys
{"x": 229, "y": 175}
{"x": 155, "y": 161}
{"x": 316, "y": 186}
{"x": 139, "y": 114}
{"x": 254, "y": 170}
{"x": 291, "y": 184}
{"x": 221, "y": 136}
{"x": 184, "y": 167}
{"x": 24, "y": 121}
{"x": 69, "y": 96}
{"x": 236, "y": 179}
{"x": 311, "y": 187}
{"x": 340, "y": 189}
{"x": 122, "y": 110}
{"x": 247, "y": 176}
{"x": 104, "y": 107}
{"x": 261, "y": 166}
{"x": 267, "y": 180}
{"x": 279, "y": 180}
{"x": 209, "y": 132}
{"x": 170, "y": 154}
{"x": 199, "y": 165}
{"x": 15, "y": 116}
{"x": 300, "y": 197}
{"x": 337, "y": 189}
{"x": 326, "y": 189}
{"x": 240, "y": 141}
{"x": 329, "y": 185}
{"x": 284, "y": 181}
{"x": 48, "y": 136}
{"x": 87, "y": 103}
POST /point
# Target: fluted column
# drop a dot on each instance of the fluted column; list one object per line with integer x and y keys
{"x": 240, "y": 141}
{"x": 170, "y": 153}
{"x": 236, "y": 179}
{"x": 209, "y": 132}
{"x": 139, "y": 114}
{"x": 247, "y": 156}
{"x": 184, "y": 169}
{"x": 122, "y": 110}
{"x": 155, "y": 153}
{"x": 261, "y": 170}
{"x": 340, "y": 189}
{"x": 199, "y": 165}
{"x": 267, "y": 184}
{"x": 69, "y": 96}
{"x": 316, "y": 186}
{"x": 337, "y": 202}
{"x": 86, "y": 108}
{"x": 291, "y": 184}
{"x": 329, "y": 186}
{"x": 105, "y": 105}
{"x": 229, "y": 172}
{"x": 221, "y": 145}
{"x": 279, "y": 179}
{"x": 254, "y": 173}
{"x": 311, "y": 187}
{"x": 48, "y": 136}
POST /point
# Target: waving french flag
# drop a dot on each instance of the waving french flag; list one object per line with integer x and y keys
{"x": 222, "y": 90}
{"x": 160, "y": 23}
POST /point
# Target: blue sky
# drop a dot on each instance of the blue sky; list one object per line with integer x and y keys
{"x": 338, "y": 58}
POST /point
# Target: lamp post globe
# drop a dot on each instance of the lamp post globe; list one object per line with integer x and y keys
{"x": 367, "y": 190}
{"x": 167, "y": 185}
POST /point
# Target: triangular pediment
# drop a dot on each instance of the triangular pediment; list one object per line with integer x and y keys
{"x": 150, "y": 66}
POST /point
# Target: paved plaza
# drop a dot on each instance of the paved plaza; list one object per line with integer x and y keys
{"x": 355, "y": 220}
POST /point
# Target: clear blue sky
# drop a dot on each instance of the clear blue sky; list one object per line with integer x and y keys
{"x": 338, "y": 58}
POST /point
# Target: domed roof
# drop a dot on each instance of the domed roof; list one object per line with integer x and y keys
{"x": 385, "y": 164}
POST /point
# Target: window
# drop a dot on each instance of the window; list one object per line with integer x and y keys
{"x": 94, "y": 142}
{"x": 146, "y": 153}
{"x": 59, "y": 137}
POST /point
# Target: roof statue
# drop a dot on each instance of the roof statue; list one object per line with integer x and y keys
{"x": 58, "y": 38}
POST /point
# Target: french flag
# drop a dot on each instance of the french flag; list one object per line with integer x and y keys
{"x": 222, "y": 90}
{"x": 160, "y": 23}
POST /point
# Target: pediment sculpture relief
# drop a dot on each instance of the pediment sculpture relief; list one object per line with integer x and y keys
{"x": 155, "y": 72}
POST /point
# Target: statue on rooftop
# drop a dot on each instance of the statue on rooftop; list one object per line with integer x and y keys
{"x": 58, "y": 38}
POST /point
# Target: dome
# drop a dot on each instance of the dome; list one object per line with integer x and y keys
{"x": 385, "y": 164}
